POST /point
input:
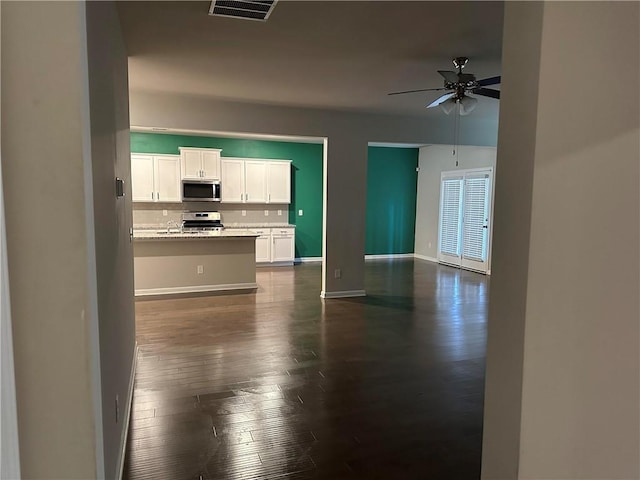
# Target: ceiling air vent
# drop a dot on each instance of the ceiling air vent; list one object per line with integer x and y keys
{"x": 244, "y": 9}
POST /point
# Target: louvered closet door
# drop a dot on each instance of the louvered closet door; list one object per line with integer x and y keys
{"x": 475, "y": 221}
{"x": 450, "y": 234}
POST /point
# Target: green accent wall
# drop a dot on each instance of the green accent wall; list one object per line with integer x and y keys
{"x": 306, "y": 176}
{"x": 392, "y": 183}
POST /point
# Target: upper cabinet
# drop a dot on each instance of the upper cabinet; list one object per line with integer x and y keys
{"x": 255, "y": 181}
{"x": 279, "y": 182}
{"x": 200, "y": 162}
{"x": 155, "y": 178}
{"x": 232, "y": 181}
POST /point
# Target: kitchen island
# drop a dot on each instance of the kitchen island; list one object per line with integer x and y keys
{"x": 172, "y": 262}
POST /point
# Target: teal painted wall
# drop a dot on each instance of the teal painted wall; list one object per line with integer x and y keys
{"x": 392, "y": 183}
{"x": 306, "y": 178}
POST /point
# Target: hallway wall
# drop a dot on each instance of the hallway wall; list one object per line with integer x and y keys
{"x": 562, "y": 388}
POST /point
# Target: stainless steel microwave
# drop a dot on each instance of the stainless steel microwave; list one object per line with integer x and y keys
{"x": 200, "y": 190}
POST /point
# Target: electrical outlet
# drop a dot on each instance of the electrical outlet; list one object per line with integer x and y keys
{"x": 337, "y": 273}
{"x": 165, "y": 213}
{"x": 300, "y": 213}
{"x": 266, "y": 213}
{"x": 117, "y": 409}
{"x": 279, "y": 213}
{"x": 244, "y": 213}
{"x": 200, "y": 269}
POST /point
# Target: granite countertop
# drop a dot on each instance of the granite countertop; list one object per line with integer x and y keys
{"x": 178, "y": 235}
{"x": 258, "y": 225}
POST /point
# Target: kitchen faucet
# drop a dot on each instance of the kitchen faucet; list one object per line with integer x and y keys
{"x": 173, "y": 223}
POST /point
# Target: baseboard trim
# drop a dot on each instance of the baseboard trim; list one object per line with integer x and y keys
{"x": 141, "y": 292}
{"x": 127, "y": 413}
{"x": 279, "y": 264}
{"x": 343, "y": 294}
{"x": 308, "y": 260}
{"x": 424, "y": 257}
{"x": 388, "y": 256}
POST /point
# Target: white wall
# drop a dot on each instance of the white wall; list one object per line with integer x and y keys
{"x": 348, "y": 136}
{"x": 562, "y": 390}
{"x": 110, "y": 156}
{"x": 64, "y": 140}
{"x": 433, "y": 160}
{"x": 45, "y": 161}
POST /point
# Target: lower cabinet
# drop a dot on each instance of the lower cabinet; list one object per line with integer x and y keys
{"x": 282, "y": 244}
{"x": 263, "y": 246}
{"x": 275, "y": 245}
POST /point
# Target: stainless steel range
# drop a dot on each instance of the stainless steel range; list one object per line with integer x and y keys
{"x": 201, "y": 222}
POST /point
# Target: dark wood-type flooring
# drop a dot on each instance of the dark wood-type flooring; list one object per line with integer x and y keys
{"x": 280, "y": 384}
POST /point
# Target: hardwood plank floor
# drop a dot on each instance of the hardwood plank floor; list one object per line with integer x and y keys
{"x": 281, "y": 384}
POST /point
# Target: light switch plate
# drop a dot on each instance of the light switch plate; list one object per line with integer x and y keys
{"x": 300, "y": 213}
{"x": 279, "y": 213}
{"x": 244, "y": 213}
{"x": 164, "y": 213}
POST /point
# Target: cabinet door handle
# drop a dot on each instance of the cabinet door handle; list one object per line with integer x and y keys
{"x": 158, "y": 195}
{"x": 269, "y": 198}
{"x": 151, "y": 195}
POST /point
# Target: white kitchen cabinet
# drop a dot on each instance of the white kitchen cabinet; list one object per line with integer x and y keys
{"x": 142, "y": 186}
{"x": 255, "y": 181}
{"x": 167, "y": 178}
{"x": 282, "y": 245}
{"x": 278, "y": 182}
{"x": 263, "y": 246}
{"x": 258, "y": 181}
{"x": 232, "y": 180}
{"x": 200, "y": 163}
{"x": 155, "y": 178}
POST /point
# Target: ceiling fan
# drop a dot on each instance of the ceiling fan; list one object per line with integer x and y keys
{"x": 460, "y": 84}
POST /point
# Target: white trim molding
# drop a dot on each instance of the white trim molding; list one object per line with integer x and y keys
{"x": 389, "y": 256}
{"x": 424, "y": 257}
{"x": 127, "y": 413}
{"x": 299, "y": 260}
{"x": 343, "y": 294}
{"x": 141, "y": 292}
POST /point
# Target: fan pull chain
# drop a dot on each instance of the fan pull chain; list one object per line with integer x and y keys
{"x": 456, "y": 132}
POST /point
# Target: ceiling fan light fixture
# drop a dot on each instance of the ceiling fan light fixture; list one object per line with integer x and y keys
{"x": 467, "y": 105}
{"x": 448, "y": 106}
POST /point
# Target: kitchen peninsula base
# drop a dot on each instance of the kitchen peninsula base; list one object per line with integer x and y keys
{"x": 187, "y": 265}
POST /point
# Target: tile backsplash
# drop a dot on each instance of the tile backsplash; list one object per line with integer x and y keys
{"x": 151, "y": 215}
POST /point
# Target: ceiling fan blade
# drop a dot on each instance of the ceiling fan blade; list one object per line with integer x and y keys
{"x": 449, "y": 76}
{"x": 413, "y": 91}
{"x": 466, "y": 77}
{"x": 489, "y": 81}
{"x": 487, "y": 92}
{"x": 443, "y": 98}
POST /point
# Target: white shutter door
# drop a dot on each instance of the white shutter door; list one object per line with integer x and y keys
{"x": 450, "y": 220}
{"x": 475, "y": 221}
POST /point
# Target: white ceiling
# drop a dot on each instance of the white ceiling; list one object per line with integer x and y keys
{"x": 331, "y": 54}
